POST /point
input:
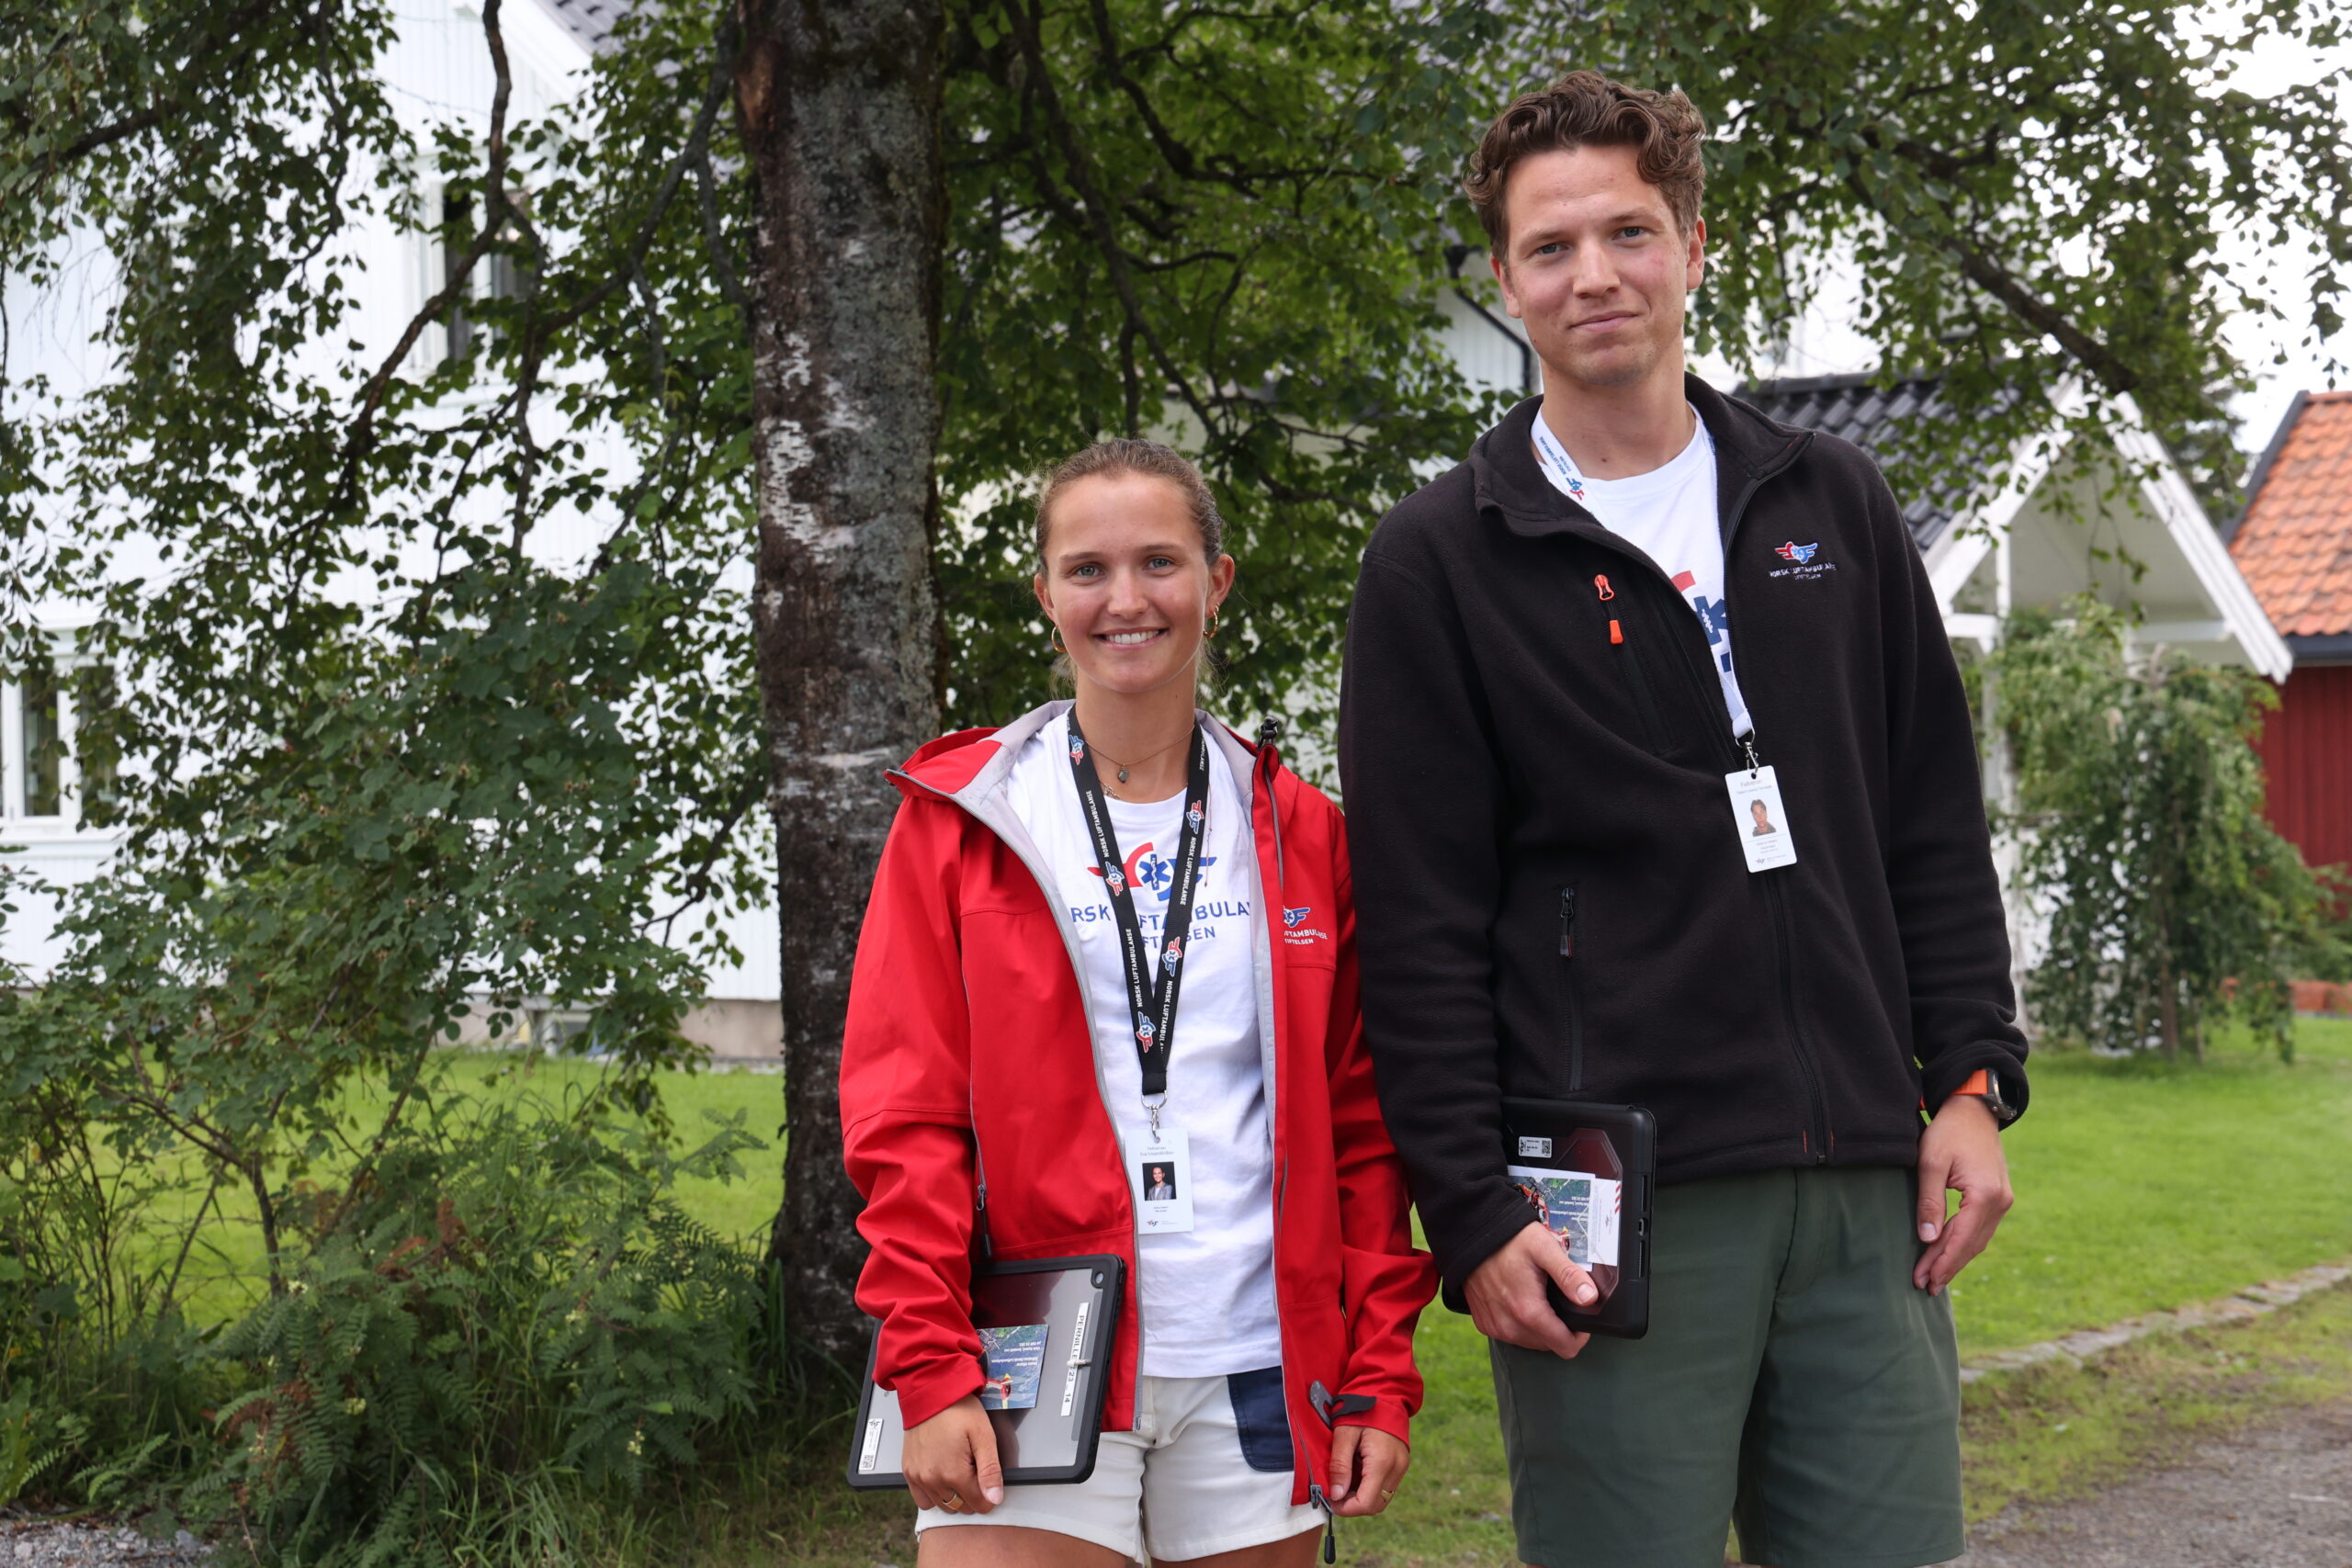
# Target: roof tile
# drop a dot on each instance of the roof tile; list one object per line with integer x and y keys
{"x": 2294, "y": 544}
{"x": 1873, "y": 418}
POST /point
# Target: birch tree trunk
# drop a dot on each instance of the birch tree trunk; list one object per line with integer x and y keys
{"x": 840, "y": 101}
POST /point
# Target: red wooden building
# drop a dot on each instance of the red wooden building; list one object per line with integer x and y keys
{"x": 2293, "y": 544}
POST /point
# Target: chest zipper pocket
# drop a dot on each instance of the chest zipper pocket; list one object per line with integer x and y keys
{"x": 1628, "y": 659}
{"x": 1571, "y": 1003}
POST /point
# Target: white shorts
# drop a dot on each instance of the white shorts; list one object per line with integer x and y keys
{"x": 1180, "y": 1483}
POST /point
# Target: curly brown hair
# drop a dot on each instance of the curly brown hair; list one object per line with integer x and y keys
{"x": 1585, "y": 108}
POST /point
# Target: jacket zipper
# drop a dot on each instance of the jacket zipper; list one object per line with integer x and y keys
{"x": 1101, "y": 1086}
{"x": 1568, "y": 988}
{"x": 1818, "y": 1137}
{"x": 1270, "y": 734}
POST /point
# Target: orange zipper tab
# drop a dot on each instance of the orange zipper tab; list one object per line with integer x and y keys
{"x": 1601, "y": 586}
{"x": 1616, "y": 633}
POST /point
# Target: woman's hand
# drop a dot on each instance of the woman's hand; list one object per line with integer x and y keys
{"x": 950, "y": 1460}
{"x": 1367, "y": 1466}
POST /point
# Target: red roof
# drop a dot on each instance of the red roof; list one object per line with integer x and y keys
{"x": 2294, "y": 544}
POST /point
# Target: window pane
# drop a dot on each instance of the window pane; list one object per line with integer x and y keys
{"x": 43, "y": 746}
{"x": 97, "y": 744}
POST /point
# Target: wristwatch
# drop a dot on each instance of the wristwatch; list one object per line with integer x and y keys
{"x": 1985, "y": 1087}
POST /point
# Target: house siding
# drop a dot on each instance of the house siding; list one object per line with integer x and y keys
{"x": 2306, "y": 750}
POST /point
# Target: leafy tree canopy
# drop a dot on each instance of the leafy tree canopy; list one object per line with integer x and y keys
{"x": 433, "y": 671}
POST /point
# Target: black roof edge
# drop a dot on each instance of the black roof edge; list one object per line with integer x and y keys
{"x": 2330, "y": 647}
{"x": 1798, "y": 386}
{"x": 2261, "y": 469}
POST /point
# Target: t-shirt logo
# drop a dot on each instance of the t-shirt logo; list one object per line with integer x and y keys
{"x": 1796, "y": 552}
{"x": 1147, "y": 870}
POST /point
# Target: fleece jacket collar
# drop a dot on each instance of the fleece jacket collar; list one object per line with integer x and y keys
{"x": 1508, "y": 485}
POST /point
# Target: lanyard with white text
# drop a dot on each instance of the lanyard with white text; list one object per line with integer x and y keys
{"x": 1152, "y": 1007}
{"x": 1561, "y": 468}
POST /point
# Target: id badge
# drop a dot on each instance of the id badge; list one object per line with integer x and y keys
{"x": 1161, "y": 1167}
{"x": 1763, "y": 825}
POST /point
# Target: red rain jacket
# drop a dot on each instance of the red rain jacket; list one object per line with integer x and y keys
{"x": 969, "y": 1024}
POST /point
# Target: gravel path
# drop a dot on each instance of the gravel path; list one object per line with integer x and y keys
{"x": 95, "y": 1546}
{"x": 2277, "y": 1495}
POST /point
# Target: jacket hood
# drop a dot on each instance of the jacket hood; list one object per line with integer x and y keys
{"x": 1750, "y": 447}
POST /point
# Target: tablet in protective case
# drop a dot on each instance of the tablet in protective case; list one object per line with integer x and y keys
{"x": 1587, "y": 1172}
{"x": 1046, "y": 1326}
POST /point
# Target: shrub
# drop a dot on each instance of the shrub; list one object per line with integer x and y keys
{"x": 2170, "y": 900}
{"x": 518, "y": 1307}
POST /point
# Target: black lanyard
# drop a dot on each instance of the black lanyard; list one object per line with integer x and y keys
{"x": 1152, "y": 1007}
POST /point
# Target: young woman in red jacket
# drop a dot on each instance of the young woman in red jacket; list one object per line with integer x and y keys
{"x": 1209, "y": 1116}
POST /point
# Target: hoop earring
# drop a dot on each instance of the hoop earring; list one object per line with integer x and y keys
{"x": 1054, "y": 637}
{"x": 1209, "y": 630}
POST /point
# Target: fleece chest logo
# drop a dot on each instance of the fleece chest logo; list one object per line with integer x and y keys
{"x": 1297, "y": 932}
{"x": 1801, "y": 565}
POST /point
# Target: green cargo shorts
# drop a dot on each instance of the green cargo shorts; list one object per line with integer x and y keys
{"x": 1793, "y": 1382}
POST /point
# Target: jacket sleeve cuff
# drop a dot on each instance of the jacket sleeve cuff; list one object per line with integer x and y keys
{"x": 1386, "y": 1415}
{"x": 926, "y": 1391}
{"x": 1499, "y": 1214}
{"x": 1942, "y": 1079}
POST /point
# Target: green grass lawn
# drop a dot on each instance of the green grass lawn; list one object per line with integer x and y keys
{"x": 2140, "y": 1186}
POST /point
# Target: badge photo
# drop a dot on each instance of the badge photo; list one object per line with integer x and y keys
{"x": 1161, "y": 1167}
{"x": 1761, "y": 822}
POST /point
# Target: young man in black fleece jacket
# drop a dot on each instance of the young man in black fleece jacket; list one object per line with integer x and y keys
{"x": 1574, "y": 663}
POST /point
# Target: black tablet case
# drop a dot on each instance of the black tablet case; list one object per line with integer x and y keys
{"x": 1619, "y": 1142}
{"x": 1077, "y": 1300}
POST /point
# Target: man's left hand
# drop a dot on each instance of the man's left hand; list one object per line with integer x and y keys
{"x": 1961, "y": 1151}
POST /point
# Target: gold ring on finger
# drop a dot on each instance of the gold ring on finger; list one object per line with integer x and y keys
{"x": 951, "y": 1503}
{"x": 1386, "y": 1496}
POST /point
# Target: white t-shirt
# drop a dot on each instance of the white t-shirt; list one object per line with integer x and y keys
{"x": 1669, "y": 512}
{"x": 1207, "y": 1294}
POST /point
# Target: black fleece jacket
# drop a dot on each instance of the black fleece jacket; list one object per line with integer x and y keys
{"x": 1551, "y": 897}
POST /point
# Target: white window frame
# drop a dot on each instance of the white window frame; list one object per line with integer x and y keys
{"x": 15, "y": 773}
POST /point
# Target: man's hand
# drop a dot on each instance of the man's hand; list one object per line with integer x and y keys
{"x": 1960, "y": 1150}
{"x": 950, "y": 1460}
{"x": 1367, "y": 1465}
{"x": 1507, "y": 1299}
